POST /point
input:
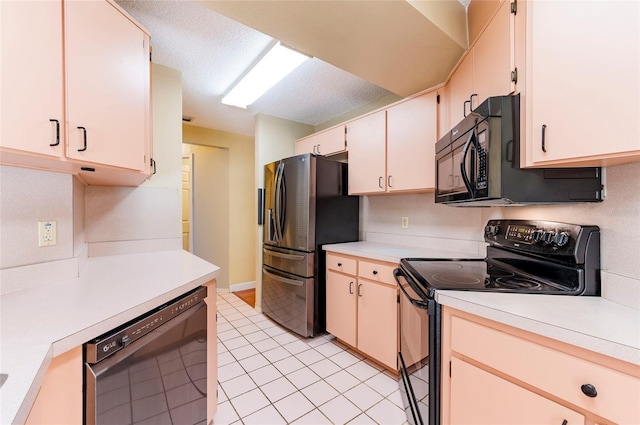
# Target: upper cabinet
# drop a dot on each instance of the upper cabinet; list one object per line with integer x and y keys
{"x": 107, "y": 63}
{"x": 394, "y": 150}
{"x": 488, "y": 69}
{"x": 327, "y": 142}
{"x": 581, "y": 102}
{"x": 78, "y": 98}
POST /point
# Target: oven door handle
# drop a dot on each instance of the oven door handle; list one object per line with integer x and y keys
{"x": 421, "y": 304}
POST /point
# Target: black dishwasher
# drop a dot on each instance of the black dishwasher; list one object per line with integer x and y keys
{"x": 152, "y": 369}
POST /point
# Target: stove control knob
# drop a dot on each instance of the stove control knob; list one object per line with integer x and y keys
{"x": 549, "y": 236}
{"x": 562, "y": 238}
{"x": 537, "y": 235}
{"x": 491, "y": 230}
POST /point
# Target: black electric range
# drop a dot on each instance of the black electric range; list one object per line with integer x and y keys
{"x": 528, "y": 257}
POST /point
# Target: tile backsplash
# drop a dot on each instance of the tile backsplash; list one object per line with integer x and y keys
{"x": 618, "y": 217}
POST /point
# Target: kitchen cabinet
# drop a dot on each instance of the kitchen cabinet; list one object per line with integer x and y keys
{"x": 393, "y": 150}
{"x": 533, "y": 379}
{"x": 92, "y": 114}
{"x": 476, "y": 392}
{"x": 486, "y": 69}
{"x": 212, "y": 350}
{"x": 582, "y": 66}
{"x": 367, "y": 155}
{"x": 327, "y": 142}
{"x": 362, "y": 306}
{"x": 60, "y": 398}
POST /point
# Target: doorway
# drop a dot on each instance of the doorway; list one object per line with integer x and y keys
{"x": 187, "y": 202}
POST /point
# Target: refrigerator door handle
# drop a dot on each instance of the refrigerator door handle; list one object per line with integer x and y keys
{"x": 285, "y": 256}
{"x": 278, "y": 203}
{"x": 284, "y": 279}
{"x": 270, "y": 235}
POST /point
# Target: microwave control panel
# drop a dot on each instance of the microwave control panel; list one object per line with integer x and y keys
{"x": 482, "y": 159}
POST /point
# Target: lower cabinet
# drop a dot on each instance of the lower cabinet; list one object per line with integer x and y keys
{"x": 362, "y": 306}
{"x": 497, "y": 374}
{"x": 60, "y": 398}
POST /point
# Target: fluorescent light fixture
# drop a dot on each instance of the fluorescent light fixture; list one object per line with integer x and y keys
{"x": 273, "y": 67}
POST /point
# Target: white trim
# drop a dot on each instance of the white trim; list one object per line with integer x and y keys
{"x": 242, "y": 286}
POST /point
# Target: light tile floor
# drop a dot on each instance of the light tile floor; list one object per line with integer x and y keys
{"x": 267, "y": 375}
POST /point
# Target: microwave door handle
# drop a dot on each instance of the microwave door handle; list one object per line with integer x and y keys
{"x": 463, "y": 164}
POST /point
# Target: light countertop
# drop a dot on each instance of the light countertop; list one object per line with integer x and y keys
{"x": 593, "y": 323}
{"x": 45, "y": 321}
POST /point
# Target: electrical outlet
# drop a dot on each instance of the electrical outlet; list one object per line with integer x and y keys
{"x": 46, "y": 233}
{"x": 405, "y": 222}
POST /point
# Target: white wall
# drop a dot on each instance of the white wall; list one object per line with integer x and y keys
{"x": 618, "y": 217}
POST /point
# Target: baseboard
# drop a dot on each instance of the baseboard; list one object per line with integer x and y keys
{"x": 242, "y": 286}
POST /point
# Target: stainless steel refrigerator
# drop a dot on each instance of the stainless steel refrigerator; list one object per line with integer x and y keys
{"x": 306, "y": 206}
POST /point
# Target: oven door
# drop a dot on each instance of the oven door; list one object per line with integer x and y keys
{"x": 413, "y": 358}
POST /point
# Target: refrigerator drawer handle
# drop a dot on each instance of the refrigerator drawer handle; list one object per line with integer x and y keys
{"x": 285, "y": 256}
{"x": 284, "y": 279}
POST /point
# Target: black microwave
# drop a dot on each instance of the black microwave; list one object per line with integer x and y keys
{"x": 478, "y": 164}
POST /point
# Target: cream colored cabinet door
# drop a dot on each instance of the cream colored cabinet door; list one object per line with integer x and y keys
{"x": 411, "y": 139}
{"x": 494, "y": 58}
{"x": 32, "y": 77}
{"x": 478, "y": 397}
{"x": 378, "y": 321}
{"x": 460, "y": 90}
{"x": 366, "y": 138}
{"x": 444, "y": 120}
{"x": 60, "y": 398}
{"x": 341, "y": 307}
{"x": 107, "y": 61}
{"x": 582, "y": 82}
{"x": 327, "y": 142}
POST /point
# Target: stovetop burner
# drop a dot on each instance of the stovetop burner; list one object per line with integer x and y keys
{"x": 522, "y": 256}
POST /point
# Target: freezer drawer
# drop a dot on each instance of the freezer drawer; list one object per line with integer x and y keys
{"x": 289, "y": 300}
{"x": 289, "y": 261}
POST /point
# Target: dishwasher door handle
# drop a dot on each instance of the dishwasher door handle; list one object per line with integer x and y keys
{"x": 288, "y": 281}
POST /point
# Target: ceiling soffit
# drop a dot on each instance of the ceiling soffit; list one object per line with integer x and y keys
{"x": 400, "y": 46}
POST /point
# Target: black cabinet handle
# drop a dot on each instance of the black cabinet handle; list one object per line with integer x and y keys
{"x": 564, "y": 422}
{"x": 544, "y": 131}
{"x": 464, "y": 107}
{"x": 57, "y": 132}
{"x": 380, "y": 182}
{"x": 389, "y": 181}
{"x": 339, "y": 264}
{"x": 375, "y": 272}
{"x": 589, "y": 390}
{"x": 153, "y": 164}
{"x": 471, "y": 101}
{"x": 84, "y": 133}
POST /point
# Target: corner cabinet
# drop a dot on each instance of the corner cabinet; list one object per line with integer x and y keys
{"x": 488, "y": 69}
{"x": 582, "y": 67}
{"x": 327, "y": 142}
{"x": 497, "y": 374}
{"x": 362, "y": 306}
{"x": 80, "y": 102}
{"x": 393, "y": 150}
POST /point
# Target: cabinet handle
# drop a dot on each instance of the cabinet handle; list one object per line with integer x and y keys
{"x": 380, "y": 182}
{"x": 375, "y": 272}
{"x": 389, "y": 181}
{"x": 57, "y": 133}
{"x": 471, "y": 101}
{"x": 314, "y": 148}
{"x": 360, "y": 289}
{"x": 351, "y": 287}
{"x": 84, "y": 133}
{"x": 153, "y": 164}
{"x": 589, "y": 390}
{"x": 339, "y": 264}
{"x": 464, "y": 107}
{"x": 544, "y": 131}
{"x": 564, "y": 422}
{"x": 318, "y": 149}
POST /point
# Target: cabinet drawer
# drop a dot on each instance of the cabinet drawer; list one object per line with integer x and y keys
{"x": 378, "y": 272}
{"x": 342, "y": 264}
{"x": 550, "y": 370}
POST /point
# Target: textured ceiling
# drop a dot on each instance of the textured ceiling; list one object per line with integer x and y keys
{"x": 213, "y": 51}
